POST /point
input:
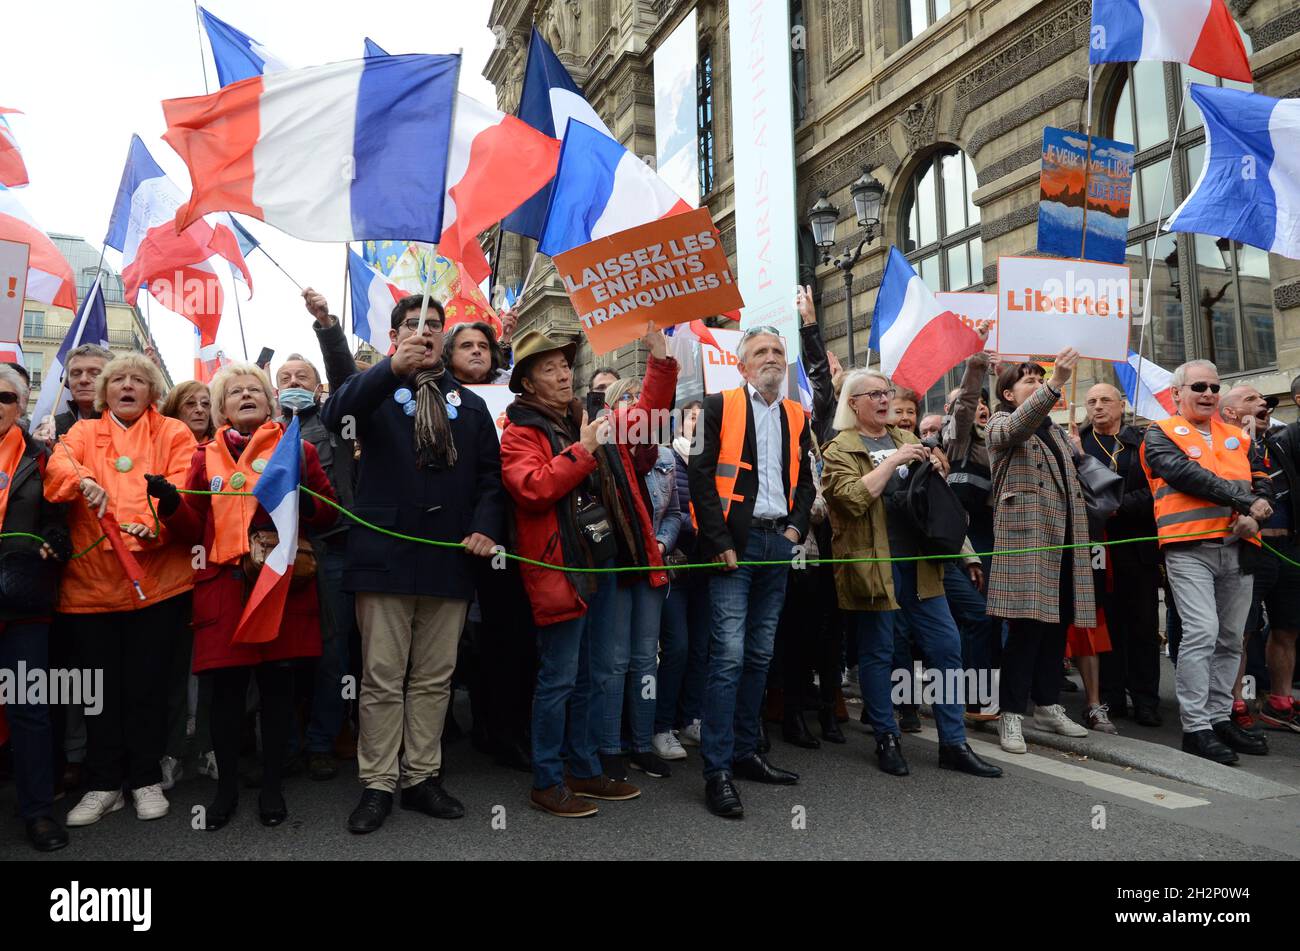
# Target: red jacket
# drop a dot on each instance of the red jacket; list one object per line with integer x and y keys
{"x": 537, "y": 480}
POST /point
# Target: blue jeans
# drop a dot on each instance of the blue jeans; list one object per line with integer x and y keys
{"x": 29, "y": 723}
{"x": 338, "y": 616}
{"x": 611, "y": 658}
{"x": 746, "y": 609}
{"x": 687, "y": 620}
{"x": 936, "y": 635}
{"x": 981, "y": 636}
{"x": 643, "y": 605}
{"x": 564, "y": 717}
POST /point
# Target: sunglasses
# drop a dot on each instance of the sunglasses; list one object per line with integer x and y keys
{"x": 1202, "y": 386}
{"x": 8, "y": 399}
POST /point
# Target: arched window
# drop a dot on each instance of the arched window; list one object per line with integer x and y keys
{"x": 940, "y": 234}
{"x": 1229, "y": 302}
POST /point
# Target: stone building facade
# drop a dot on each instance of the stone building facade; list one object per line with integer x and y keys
{"x": 946, "y": 100}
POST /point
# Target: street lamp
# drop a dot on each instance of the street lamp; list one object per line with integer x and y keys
{"x": 868, "y": 195}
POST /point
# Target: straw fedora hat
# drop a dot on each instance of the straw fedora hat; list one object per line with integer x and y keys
{"x": 534, "y": 344}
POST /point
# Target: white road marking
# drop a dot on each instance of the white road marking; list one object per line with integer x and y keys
{"x": 1143, "y": 792}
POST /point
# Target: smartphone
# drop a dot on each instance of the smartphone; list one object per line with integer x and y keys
{"x": 264, "y": 358}
{"x": 596, "y": 404}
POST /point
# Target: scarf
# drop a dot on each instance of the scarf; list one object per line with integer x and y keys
{"x": 434, "y": 446}
{"x": 12, "y": 448}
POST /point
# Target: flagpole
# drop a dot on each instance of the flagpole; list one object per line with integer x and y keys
{"x": 1155, "y": 241}
{"x": 343, "y": 310}
{"x": 261, "y": 247}
{"x": 239, "y": 313}
{"x": 76, "y": 339}
{"x": 203, "y": 63}
{"x": 1087, "y": 172}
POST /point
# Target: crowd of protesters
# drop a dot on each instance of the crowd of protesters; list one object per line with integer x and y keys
{"x": 669, "y": 591}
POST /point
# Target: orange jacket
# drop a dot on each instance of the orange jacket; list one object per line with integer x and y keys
{"x": 155, "y": 444}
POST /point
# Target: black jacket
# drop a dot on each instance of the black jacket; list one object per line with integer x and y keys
{"x": 1136, "y": 517}
{"x": 29, "y": 512}
{"x": 1284, "y": 449}
{"x": 65, "y": 421}
{"x": 818, "y": 369}
{"x": 1170, "y": 463}
{"x": 716, "y": 535}
{"x": 394, "y": 493}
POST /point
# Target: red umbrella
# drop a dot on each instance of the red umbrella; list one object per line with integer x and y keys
{"x": 130, "y": 567}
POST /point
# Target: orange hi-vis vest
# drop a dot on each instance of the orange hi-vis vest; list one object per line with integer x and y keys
{"x": 233, "y": 514}
{"x": 734, "y": 415}
{"x": 1179, "y": 514}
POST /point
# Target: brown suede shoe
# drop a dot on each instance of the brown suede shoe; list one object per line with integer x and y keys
{"x": 602, "y": 787}
{"x": 560, "y": 801}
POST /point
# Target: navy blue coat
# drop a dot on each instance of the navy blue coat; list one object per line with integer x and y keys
{"x": 392, "y": 492}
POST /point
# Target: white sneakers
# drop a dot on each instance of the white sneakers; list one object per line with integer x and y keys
{"x": 1010, "y": 736}
{"x": 94, "y": 806}
{"x": 1053, "y": 718}
{"x": 150, "y": 803}
{"x": 667, "y": 746}
{"x": 172, "y": 771}
{"x": 690, "y": 734}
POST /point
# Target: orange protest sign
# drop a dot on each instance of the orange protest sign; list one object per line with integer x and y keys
{"x": 669, "y": 271}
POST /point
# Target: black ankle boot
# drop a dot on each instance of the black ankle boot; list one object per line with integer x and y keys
{"x": 831, "y": 731}
{"x": 796, "y": 731}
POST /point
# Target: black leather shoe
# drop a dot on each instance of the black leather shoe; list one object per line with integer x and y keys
{"x": 430, "y": 798}
{"x": 218, "y": 816}
{"x": 371, "y": 812}
{"x": 890, "y": 756}
{"x": 1205, "y": 744}
{"x": 272, "y": 814}
{"x": 722, "y": 797}
{"x": 831, "y": 731}
{"x": 1146, "y": 714}
{"x": 961, "y": 757}
{"x": 909, "y": 718}
{"x": 514, "y": 756}
{"x": 46, "y": 834}
{"x": 1234, "y": 737}
{"x": 764, "y": 743}
{"x": 614, "y": 766}
{"x": 795, "y": 730}
{"x": 756, "y": 767}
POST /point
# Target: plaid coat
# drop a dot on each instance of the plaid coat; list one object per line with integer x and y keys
{"x": 1030, "y": 510}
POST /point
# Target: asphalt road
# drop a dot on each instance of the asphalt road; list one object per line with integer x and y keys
{"x": 1045, "y": 807}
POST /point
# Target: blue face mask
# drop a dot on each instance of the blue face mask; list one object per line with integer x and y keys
{"x": 295, "y": 399}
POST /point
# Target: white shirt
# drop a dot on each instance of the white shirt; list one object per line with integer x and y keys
{"x": 770, "y": 501}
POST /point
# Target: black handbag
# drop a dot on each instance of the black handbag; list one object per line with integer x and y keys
{"x": 29, "y": 584}
{"x": 935, "y": 511}
{"x": 1103, "y": 487}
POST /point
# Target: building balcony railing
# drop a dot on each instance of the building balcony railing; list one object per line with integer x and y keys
{"x": 45, "y": 331}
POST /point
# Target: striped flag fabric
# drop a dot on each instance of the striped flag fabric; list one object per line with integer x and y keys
{"x": 13, "y": 171}
{"x": 1147, "y": 387}
{"x": 49, "y": 275}
{"x": 373, "y": 297}
{"x": 236, "y": 54}
{"x": 1200, "y": 33}
{"x": 89, "y": 326}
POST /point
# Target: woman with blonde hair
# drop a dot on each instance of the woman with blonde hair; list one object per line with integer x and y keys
{"x": 127, "y": 633}
{"x": 191, "y": 403}
{"x": 236, "y": 531}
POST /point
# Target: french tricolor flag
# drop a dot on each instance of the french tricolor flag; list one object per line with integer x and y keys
{"x": 919, "y": 341}
{"x": 49, "y": 276}
{"x": 236, "y": 54}
{"x": 600, "y": 189}
{"x": 343, "y": 152}
{"x": 277, "y": 491}
{"x": 373, "y": 297}
{"x": 171, "y": 265}
{"x": 13, "y": 171}
{"x": 1200, "y": 33}
{"x": 1147, "y": 386}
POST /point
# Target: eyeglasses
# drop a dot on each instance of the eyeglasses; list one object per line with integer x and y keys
{"x": 413, "y": 324}
{"x": 1202, "y": 386}
{"x": 875, "y": 394}
{"x": 8, "y": 399}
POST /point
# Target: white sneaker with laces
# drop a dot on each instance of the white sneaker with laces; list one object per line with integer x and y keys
{"x": 689, "y": 735}
{"x": 208, "y": 764}
{"x": 1010, "y": 737}
{"x": 150, "y": 803}
{"x": 172, "y": 771}
{"x": 1053, "y": 718}
{"x": 667, "y": 746}
{"x": 94, "y": 806}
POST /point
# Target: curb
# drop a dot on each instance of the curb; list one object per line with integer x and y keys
{"x": 1158, "y": 760}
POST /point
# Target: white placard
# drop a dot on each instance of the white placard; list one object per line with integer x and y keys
{"x": 972, "y": 307}
{"x": 1048, "y": 304}
{"x": 498, "y": 397}
{"x": 13, "y": 287}
{"x": 721, "y": 368}
{"x": 762, "y": 117}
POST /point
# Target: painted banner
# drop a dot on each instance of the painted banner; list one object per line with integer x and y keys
{"x": 676, "y": 146}
{"x": 1060, "y": 207}
{"x": 762, "y": 119}
{"x": 669, "y": 271}
{"x": 972, "y": 307}
{"x": 14, "y": 256}
{"x": 1048, "y": 304}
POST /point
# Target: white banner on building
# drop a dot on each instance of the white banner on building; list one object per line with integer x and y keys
{"x": 762, "y": 118}
{"x": 676, "y": 148}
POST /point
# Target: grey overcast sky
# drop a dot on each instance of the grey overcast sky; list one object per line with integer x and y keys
{"x": 89, "y": 73}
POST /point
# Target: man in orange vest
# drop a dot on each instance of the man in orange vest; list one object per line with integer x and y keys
{"x": 753, "y": 493}
{"x": 1211, "y": 494}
